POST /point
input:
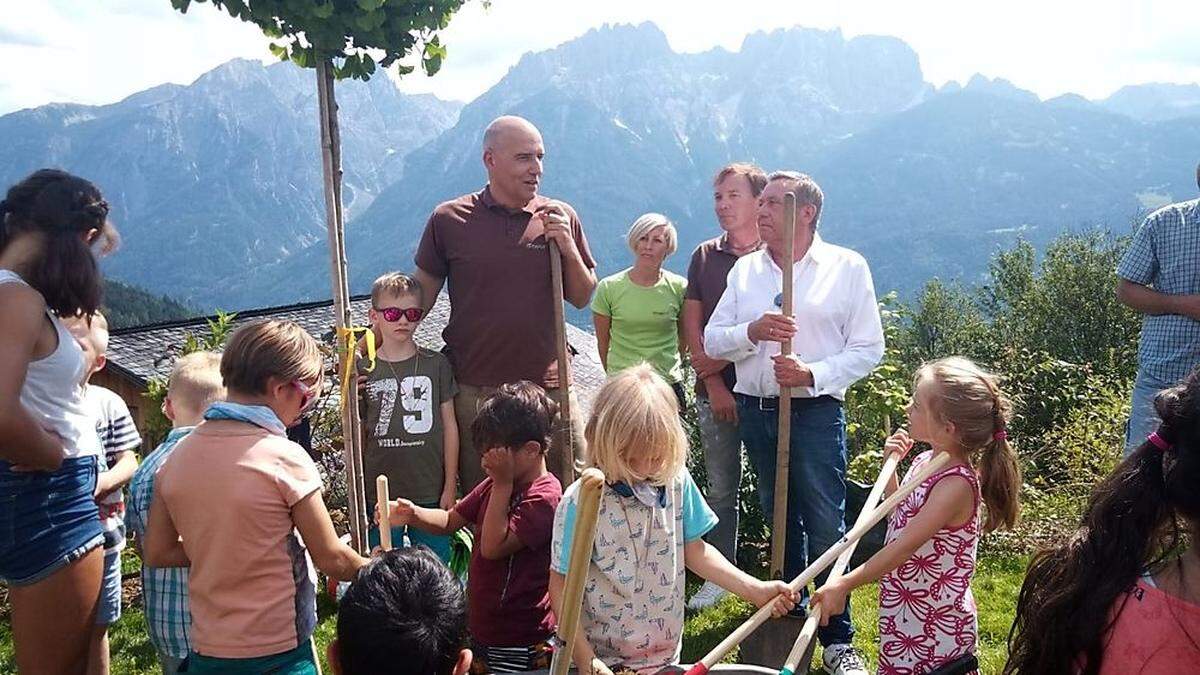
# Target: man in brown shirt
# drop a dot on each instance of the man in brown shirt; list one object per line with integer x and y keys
{"x": 735, "y": 200}
{"x": 490, "y": 249}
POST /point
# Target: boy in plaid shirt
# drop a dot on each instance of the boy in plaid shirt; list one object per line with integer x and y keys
{"x": 195, "y": 382}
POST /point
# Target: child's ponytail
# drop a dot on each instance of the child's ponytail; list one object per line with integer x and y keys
{"x": 1000, "y": 483}
{"x": 999, "y": 472}
{"x": 1066, "y": 605}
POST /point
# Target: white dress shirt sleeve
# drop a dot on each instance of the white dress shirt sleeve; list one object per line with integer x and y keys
{"x": 864, "y": 339}
{"x": 725, "y": 337}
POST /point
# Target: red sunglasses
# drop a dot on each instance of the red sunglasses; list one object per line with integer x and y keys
{"x": 393, "y": 314}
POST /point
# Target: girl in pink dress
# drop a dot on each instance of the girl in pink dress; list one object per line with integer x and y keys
{"x": 927, "y": 616}
{"x": 1122, "y": 593}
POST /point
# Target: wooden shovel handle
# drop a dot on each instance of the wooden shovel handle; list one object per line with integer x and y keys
{"x": 591, "y": 486}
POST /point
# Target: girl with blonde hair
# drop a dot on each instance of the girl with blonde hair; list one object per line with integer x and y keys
{"x": 652, "y": 517}
{"x": 927, "y": 614}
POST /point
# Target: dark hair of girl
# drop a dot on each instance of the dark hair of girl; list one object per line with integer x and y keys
{"x": 63, "y": 208}
{"x": 1131, "y": 524}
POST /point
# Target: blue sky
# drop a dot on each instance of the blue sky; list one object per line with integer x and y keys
{"x": 99, "y": 51}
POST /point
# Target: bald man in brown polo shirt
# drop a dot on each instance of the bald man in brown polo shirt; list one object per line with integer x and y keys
{"x": 490, "y": 248}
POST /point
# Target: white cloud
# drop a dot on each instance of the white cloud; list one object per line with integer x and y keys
{"x": 100, "y": 52}
{"x": 97, "y": 52}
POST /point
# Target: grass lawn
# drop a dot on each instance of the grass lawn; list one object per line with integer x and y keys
{"x": 996, "y": 585}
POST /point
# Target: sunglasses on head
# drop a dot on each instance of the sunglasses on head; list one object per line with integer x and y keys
{"x": 308, "y": 395}
{"x": 393, "y": 314}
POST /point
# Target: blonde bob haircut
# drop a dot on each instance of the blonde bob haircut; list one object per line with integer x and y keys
{"x": 269, "y": 349}
{"x": 647, "y": 223}
{"x": 636, "y": 415}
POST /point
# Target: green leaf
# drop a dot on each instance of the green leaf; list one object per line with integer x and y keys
{"x": 280, "y": 51}
{"x": 323, "y": 11}
{"x": 371, "y": 5}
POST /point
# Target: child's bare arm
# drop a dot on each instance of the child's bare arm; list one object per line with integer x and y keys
{"x": 162, "y": 547}
{"x": 329, "y": 554}
{"x": 706, "y": 561}
{"x": 951, "y": 502}
{"x": 450, "y": 450}
{"x": 582, "y": 652}
{"x": 118, "y": 476}
{"x": 434, "y": 521}
{"x": 496, "y": 540}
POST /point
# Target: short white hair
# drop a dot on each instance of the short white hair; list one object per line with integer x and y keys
{"x": 806, "y": 189}
{"x": 647, "y": 223}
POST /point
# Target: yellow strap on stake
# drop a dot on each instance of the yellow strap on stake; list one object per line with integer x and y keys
{"x": 347, "y": 342}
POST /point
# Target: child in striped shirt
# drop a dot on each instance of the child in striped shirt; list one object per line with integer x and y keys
{"x": 119, "y": 438}
{"x": 195, "y": 382}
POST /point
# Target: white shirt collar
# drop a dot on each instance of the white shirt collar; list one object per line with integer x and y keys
{"x": 818, "y": 252}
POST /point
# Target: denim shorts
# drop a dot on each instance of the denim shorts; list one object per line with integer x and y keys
{"x": 109, "y": 608}
{"x": 47, "y": 520}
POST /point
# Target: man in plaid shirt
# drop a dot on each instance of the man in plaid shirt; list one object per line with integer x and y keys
{"x": 1160, "y": 277}
{"x": 195, "y": 382}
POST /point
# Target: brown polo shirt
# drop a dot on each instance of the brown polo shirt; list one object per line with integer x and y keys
{"x": 501, "y": 325}
{"x": 706, "y": 277}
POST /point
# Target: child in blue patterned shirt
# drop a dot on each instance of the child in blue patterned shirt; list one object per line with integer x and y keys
{"x": 652, "y": 517}
{"x": 195, "y": 382}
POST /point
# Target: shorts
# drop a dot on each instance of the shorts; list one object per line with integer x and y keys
{"x": 108, "y": 610}
{"x": 438, "y": 543}
{"x": 48, "y": 520}
{"x": 299, "y": 661}
{"x": 511, "y": 659}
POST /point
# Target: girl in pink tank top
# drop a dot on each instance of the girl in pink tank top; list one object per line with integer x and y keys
{"x": 1122, "y": 593}
{"x": 927, "y": 615}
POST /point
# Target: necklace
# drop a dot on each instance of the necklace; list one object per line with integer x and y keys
{"x": 742, "y": 250}
{"x": 396, "y": 376}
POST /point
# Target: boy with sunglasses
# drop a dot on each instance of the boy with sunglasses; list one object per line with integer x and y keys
{"x": 411, "y": 435}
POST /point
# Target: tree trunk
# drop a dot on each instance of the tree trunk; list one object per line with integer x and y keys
{"x": 331, "y": 163}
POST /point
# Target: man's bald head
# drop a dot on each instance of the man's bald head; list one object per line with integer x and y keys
{"x": 507, "y": 127}
{"x": 512, "y": 155}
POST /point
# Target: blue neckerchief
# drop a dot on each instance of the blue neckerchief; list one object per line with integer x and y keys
{"x": 177, "y": 433}
{"x": 258, "y": 415}
{"x": 650, "y": 495}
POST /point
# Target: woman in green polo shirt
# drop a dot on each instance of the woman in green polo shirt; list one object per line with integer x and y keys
{"x": 637, "y": 310}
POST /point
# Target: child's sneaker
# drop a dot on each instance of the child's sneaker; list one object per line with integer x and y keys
{"x": 844, "y": 660}
{"x": 708, "y": 595}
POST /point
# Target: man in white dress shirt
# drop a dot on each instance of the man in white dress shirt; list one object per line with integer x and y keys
{"x": 837, "y": 338}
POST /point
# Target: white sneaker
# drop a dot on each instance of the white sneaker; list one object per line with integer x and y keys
{"x": 708, "y": 595}
{"x": 844, "y": 660}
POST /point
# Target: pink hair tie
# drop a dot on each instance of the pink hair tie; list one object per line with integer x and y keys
{"x": 1001, "y": 435}
{"x": 1158, "y": 441}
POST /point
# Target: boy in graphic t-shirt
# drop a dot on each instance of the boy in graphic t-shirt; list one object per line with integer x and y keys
{"x": 410, "y": 434}
{"x": 512, "y": 512}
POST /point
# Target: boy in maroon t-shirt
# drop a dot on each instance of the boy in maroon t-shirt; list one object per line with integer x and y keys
{"x": 512, "y": 510}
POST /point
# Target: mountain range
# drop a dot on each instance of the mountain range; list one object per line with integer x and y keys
{"x": 218, "y": 191}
